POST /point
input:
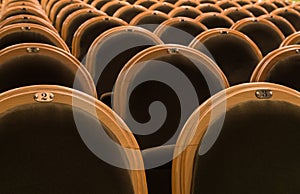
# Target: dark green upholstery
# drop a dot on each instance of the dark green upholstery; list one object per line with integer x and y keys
{"x": 257, "y": 152}
{"x": 42, "y": 152}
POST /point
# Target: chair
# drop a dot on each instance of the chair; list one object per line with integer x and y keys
{"x": 49, "y": 6}
{"x": 263, "y": 33}
{"x": 164, "y": 7}
{"x": 22, "y": 3}
{"x": 89, "y": 31}
{"x": 179, "y": 30}
{"x": 58, "y": 6}
{"x": 111, "y": 7}
{"x": 208, "y": 7}
{"x": 127, "y": 13}
{"x": 256, "y": 10}
{"x": 38, "y": 63}
{"x": 25, "y": 18}
{"x": 27, "y": 32}
{"x": 281, "y": 66}
{"x": 279, "y": 4}
{"x": 237, "y": 14}
{"x": 244, "y": 140}
{"x": 179, "y": 77}
{"x": 284, "y": 25}
{"x": 149, "y": 20}
{"x": 99, "y": 3}
{"x": 185, "y": 11}
{"x": 243, "y": 2}
{"x": 292, "y": 39}
{"x": 235, "y": 53}
{"x": 215, "y": 20}
{"x": 269, "y": 6}
{"x": 74, "y": 20}
{"x": 192, "y": 3}
{"x": 66, "y": 11}
{"x": 104, "y": 61}
{"x": 225, "y": 4}
{"x": 66, "y": 142}
{"x": 146, "y": 3}
{"x": 290, "y": 14}
{"x": 23, "y": 10}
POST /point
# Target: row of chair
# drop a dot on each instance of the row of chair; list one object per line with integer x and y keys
{"x": 132, "y": 70}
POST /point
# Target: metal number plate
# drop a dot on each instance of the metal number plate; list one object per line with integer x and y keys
{"x": 43, "y": 97}
{"x": 264, "y": 94}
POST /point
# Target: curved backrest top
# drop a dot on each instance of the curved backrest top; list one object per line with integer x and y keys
{"x": 205, "y": 133}
{"x": 43, "y": 64}
{"x": 29, "y": 32}
{"x": 160, "y": 73}
{"x": 30, "y": 106}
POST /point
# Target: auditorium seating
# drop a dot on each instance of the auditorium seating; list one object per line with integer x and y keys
{"x": 149, "y": 20}
{"x": 264, "y": 33}
{"x": 242, "y": 140}
{"x": 284, "y": 25}
{"x": 36, "y": 63}
{"x": 89, "y": 31}
{"x": 280, "y": 66}
{"x": 52, "y": 139}
{"x": 103, "y": 65}
{"x": 291, "y": 39}
{"x": 180, "y": 30}
{"x": 235, "y": 53}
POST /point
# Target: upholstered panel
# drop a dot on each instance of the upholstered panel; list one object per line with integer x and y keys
{"x": 257, "y": 152}
{"x": 42, "y": 152}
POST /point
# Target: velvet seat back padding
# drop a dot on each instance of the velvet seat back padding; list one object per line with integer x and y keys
{"x": 42, "y": 152}
{"x": 257, "y": 151}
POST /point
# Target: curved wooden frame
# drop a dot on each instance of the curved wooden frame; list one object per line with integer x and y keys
{"x": 76, "y": 48}
{"x": 125, "y": 8}
{"x": 204, "y": 5}
{"x": 112, "y": 3}
{"x": 161, "y": 4}
{"x": 53, "y": 36}
{"x": 159, "y": 31}
{"x": 177, "y": 10}
{"x": 65, "y": 30}
{"x": 195, "y": 128}
{"x": 285, "y": 10}
{"x": 30, "y": 18}
{"x": 29, "y": 10}
{"x": 265, "y": 4}
{"x": 291, "y": 39}
{"x": 135, "y": 21}
{"x": 49, "y": 6}
{"x": 207, "y": 34}
{"x": 191, "y": 3}
{"x": 62, "y": 16}
{"x": 102, "y": 113}
{"x": 244, "y": 22}
{"x": 140, "y": 2}
{"x": 250, "y": 6}
{"x": 277, "y": 17}
{"x": 223, "y": 2}
{"x": 237, "y": 9}
{"x": 124, "y": 78}
{"x": 95, "y": 3}
{"x": 94, "y": 48}
{"x": 267, "y": 63}
{"x": 70, "y": 61}
{"x": 214, "y": 14}
{"x": 23, "y": 3}
{"x": 58, "y": 6}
